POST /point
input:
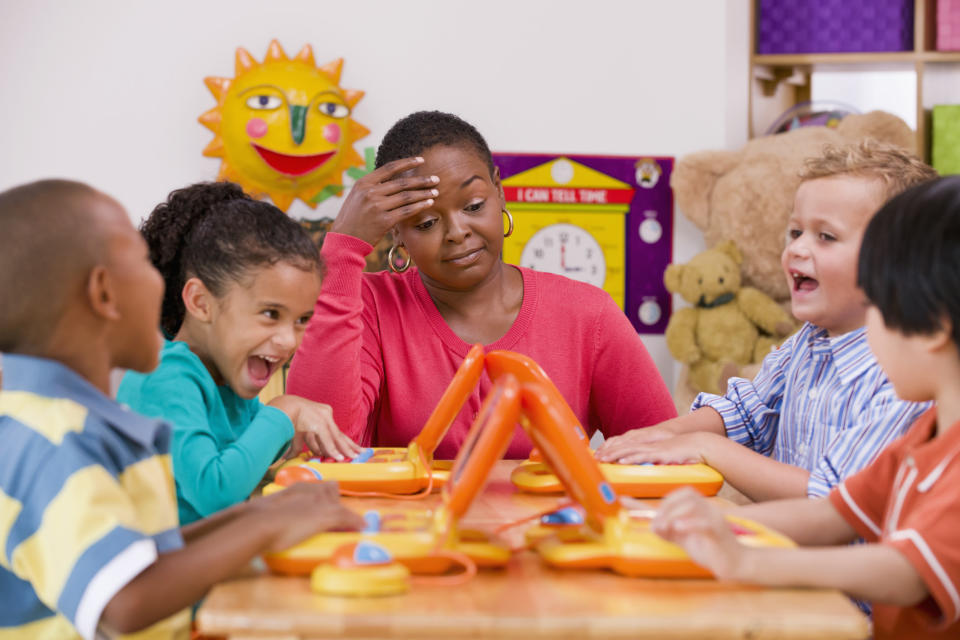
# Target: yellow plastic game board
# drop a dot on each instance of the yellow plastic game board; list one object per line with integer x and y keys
{"x": 636, "y": 480}
{"x": 423, "y": 539}
{"x": 394, "y": 470}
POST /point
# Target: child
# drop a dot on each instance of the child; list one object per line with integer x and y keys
{"x": 241, "y": 281}
{"x": 820, "y": 406}
{"x": 87, "y": 511}
{"x": 905, "y": 504}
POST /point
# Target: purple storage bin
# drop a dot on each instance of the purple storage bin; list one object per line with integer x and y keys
{"x": 833, "y": 26}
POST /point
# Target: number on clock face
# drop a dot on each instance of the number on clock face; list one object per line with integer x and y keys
{"x": 567, "y": 250}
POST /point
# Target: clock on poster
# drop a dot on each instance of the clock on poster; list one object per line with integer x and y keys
{"x": 568, "y": 250}
{"x": 603, "y": 220}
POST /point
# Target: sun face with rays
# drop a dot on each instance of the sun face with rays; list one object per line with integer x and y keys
{"x": 283, "y": 126}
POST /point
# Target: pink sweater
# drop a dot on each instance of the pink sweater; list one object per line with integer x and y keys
{"x": 379, "y": 352}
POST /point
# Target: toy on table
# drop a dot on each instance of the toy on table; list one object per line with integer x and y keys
{"x": 429, "y": 541}
{"x": 361, "y": 569}
{"x": 393, "y": 470}
{"x": 641, "y": 481}
{"x": 602, "y": 533}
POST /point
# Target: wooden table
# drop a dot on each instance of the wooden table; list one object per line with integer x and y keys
{"x": 527, "y": 600}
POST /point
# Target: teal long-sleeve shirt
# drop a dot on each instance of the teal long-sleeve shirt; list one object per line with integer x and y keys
{"x": 222, "y": 443}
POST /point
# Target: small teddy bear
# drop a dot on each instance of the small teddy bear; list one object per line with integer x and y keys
{"x": 728, "y": 326}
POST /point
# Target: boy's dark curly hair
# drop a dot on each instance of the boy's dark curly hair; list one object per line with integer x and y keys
{"x": 422, "y": 130}
{"x": 216, "y": 232}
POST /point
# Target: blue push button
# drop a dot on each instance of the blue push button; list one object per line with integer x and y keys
{"x": 567, "y": 515}
{"x": 607, "y": 492}
{"x": 367, "y": 552}
{"x": 372, "y": 518}
{"x": 365, "y": 455}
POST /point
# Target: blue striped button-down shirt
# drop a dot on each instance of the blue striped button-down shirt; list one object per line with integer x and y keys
{"x": 819, "y": 403}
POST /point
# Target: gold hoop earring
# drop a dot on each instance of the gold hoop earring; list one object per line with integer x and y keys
{"x": 510, "y": 220}
{"x": 392, "y": 259}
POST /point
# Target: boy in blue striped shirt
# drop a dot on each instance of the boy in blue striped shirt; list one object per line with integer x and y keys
{"x": 90, "y": 544}
{"x": 820, "y": 407}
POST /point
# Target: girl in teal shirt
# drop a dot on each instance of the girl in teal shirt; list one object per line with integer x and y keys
{"x": 241, "y": 281}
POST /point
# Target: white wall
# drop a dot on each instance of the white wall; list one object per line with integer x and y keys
{"x": 891, "y": 88}
{"x": 108, "y": 92}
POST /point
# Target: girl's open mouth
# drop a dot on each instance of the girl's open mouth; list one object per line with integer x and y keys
{"x": 261, "y": 368}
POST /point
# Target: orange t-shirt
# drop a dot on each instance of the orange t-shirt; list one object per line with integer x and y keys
{"x": 909, "y": 499}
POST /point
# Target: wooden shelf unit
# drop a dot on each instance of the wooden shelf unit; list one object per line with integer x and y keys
{"x": 777, "y": 81}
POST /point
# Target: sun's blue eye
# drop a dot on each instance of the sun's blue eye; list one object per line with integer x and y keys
{"x": 264, "y": 102}
{"x": 333, "y": 109}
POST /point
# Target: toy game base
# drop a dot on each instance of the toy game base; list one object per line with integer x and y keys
{"x": 411, "y": 537}
{"x": 629, "y": 547}
{"x": 636, "y": 480}
{"x": 376, "y": 469}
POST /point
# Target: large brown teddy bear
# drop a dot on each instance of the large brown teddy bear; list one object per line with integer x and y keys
{"x": 728, "y": 326}
{"x": 747, "y": 195}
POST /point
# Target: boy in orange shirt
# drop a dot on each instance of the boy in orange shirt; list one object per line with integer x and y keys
{"x": 905, "y": 504}
{"x": 91, "y": 545}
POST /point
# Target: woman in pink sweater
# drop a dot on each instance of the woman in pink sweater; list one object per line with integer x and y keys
{"x": 382, "y": 347}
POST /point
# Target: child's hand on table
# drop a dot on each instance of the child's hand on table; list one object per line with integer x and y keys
{"x": 314, "y": 427}
{"x": 686, "y": 448}
{"x": 614, "y": 448}
{"x": 304, "y": 509}
{"x": 686, "y": 518}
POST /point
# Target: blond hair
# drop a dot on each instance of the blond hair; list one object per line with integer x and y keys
{"x": 896, "y": 168}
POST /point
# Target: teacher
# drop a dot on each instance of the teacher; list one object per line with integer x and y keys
{"x": 382, "y": 347}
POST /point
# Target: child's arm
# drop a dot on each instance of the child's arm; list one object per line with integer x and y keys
{"x": 806, "y": 521}
{"x": 753, "y": 474}
{"x": 180, "y": 578}
{"x": 212, "y": 474}
{"x": 314, "y": 427}
{"x": 199, "y": 528}
{"x": 749, "y": 413}
{"x": 867, "y": 571}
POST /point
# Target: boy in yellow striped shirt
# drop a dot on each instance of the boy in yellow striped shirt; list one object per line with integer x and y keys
{"x": 89, "y": 538}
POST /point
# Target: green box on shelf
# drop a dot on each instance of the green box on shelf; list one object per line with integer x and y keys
{"x": 946, "y": 138}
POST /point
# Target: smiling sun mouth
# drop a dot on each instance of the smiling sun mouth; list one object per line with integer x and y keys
{"x": 292, "y": 165}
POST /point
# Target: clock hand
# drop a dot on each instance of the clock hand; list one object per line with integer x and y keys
{"x": 563, "y": 259}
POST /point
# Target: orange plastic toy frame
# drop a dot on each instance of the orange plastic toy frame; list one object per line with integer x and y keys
{"x": 429, "y": 539}
{"x": 639, "y": 481}
{"x": 610, "y": 536}
{"x": 395, "y": 470}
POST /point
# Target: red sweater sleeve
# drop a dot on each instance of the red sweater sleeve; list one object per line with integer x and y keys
{"x": 339, "y": 360}
{"x": 626, "y": 391}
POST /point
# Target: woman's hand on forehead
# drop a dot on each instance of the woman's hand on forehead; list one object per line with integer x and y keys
{"x": 383, "y": 198}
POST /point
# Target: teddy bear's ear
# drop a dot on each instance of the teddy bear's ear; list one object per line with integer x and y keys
{"x": 671, "y": 277}
{"x": 730, "y": 248}
{"x": 880, "y": 125}
{"x": 693, "y": 179}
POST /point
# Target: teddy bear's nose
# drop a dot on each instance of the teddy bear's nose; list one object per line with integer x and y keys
{"x": 720, "y": 279}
